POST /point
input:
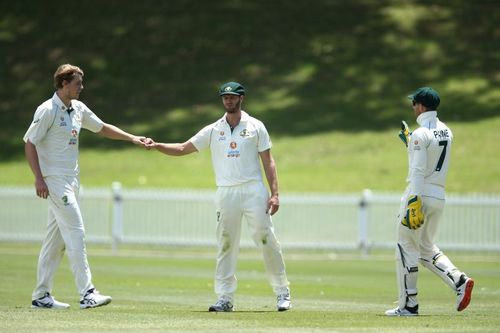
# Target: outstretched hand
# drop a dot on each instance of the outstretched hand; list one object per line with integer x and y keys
{"x": 139, "y": 140}
{"x": 144, "y": 142}
{"x": 149, "y": 143}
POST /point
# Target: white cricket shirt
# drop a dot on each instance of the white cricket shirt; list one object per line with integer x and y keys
{"x": 429, "y": 156}
{"x": 55, "y": 134}
{"x": 235, "y": 156}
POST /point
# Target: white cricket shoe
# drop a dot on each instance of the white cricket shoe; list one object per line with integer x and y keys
{"x": 283, "y": 302}
{"x": 48, "y": 302}
{"x": 93, "y": 299}
{"x": 464, "y": 292}
{"x": 406, "y": 312}
{"x": 221, "y": 305}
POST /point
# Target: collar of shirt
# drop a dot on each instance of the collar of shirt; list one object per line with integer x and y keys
{"x": 426, "y": 116}
{"x": 60, "y": 104}
{"x": 244, "y": 117}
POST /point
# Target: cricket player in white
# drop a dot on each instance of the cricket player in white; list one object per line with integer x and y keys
{"x": 422, "y": 205}
{"x": 238, "y": 142}
{"x": 51, "y": 147}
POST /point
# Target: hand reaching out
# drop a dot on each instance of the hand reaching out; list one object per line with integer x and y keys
{"x": 149, "y": 143}
{"x": 139, "y": 140}
{"x": 143, "y": 141}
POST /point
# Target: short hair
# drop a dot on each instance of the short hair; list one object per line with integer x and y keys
{"x": 65, "y": 72}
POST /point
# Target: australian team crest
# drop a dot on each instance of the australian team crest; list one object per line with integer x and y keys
{"x": 245, "y": 133}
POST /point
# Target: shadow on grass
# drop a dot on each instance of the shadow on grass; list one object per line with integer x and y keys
{"x": 154, "y": 67}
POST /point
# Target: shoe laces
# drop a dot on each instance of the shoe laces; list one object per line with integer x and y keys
{"x": 283, "y": 297}
{"x": 45, "y": 300}
{"x": 222, "y": 302}
{"x": 90, "y": 295}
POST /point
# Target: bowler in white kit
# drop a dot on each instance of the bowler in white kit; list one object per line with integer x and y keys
{"x": 51, "y": 148}
{"x": 422, "y": 205}
{"x": 238, "y": 144}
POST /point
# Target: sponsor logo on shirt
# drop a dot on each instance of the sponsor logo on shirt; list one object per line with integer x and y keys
{"x": 74, "y": 139}
{"x": 65, "y": 200}
{"x": 233, "y": 152}
{"x": 221, "y": 136}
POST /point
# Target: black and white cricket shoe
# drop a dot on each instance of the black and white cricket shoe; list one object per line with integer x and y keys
{"x": 406, "y": 312}
{"x": 221, "y": 305}
{"x": 283, "y": 302}
{"x": 48, "y": 302}
{"x": 93, "y": 299}
{"x": 464, "y": 292}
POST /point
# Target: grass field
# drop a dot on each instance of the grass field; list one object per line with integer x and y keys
{"x": 331, "y": 162}
{"x": 169, "y": 290}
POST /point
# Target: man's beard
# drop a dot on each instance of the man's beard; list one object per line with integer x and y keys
{"x": 234, "y": 108}
{"x": 74, "y": 95}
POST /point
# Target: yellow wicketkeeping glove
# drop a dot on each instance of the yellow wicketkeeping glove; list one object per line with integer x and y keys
{"x": 404, "y": 134}
{"x": 414, "y": 217}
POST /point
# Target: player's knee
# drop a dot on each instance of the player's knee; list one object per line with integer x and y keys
{"x": 266, "y": 239}
{"x": 225, "y": 242}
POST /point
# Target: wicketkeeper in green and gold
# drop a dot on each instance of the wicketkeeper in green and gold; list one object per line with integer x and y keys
{"x": 422, "y": 205}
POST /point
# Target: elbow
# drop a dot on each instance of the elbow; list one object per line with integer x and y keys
{"x": 182, "y": 150}
{"x": 103, "y": 131}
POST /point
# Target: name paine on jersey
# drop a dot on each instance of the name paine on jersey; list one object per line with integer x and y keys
{"x": 441, "y": 134}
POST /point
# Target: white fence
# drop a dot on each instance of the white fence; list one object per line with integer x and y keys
{"x": 184, "y": 217}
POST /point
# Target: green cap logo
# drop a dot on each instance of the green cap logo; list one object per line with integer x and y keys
{"x": 231, "y": 88}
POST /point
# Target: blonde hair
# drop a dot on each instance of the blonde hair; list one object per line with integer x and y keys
{"x": 65, "y": 72}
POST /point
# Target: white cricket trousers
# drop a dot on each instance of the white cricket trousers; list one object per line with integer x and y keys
{"x": 418, "y": 245}
{"x": 65, "y": 232}
{"x": 232, "y": 203}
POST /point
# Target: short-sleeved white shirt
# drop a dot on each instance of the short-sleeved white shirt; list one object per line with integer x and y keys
{"x": 235, "y": 156}
{"x": 55, "y": 134}
{"x": 429, "y": 151}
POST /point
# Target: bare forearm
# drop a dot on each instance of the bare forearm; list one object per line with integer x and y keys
{"x": 112, "y": 132}
{"x": 174, "y": 149}
{"x": 272, "y": 179}
{"x": 270, "y": 171}
{"x": 273, "y": 203}
{"x": 32, "y": 158}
